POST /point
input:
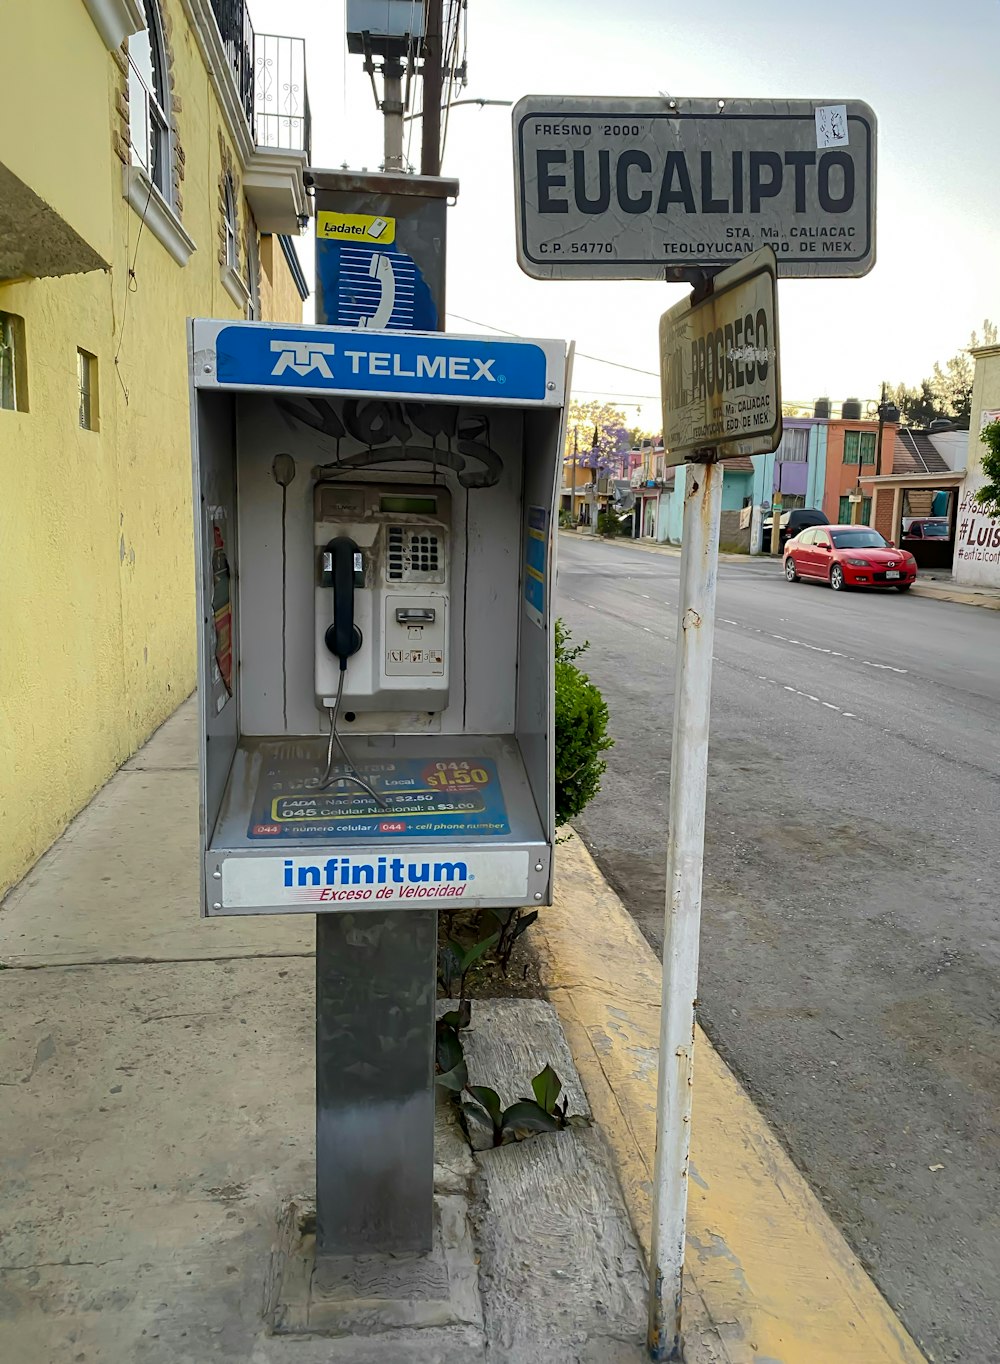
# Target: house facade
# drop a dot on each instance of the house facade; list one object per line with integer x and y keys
{"x": 155, "y": 172}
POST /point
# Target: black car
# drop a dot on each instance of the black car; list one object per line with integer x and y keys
{"x": 792, "y": 523}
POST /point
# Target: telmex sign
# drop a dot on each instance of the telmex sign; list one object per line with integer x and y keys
{"x": 719, "y": 365}
{"x": 658, "y": 189}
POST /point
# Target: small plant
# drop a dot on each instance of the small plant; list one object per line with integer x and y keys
{"x": 566, "y": 521}
{"x": 581, "y": 731}
{"x": 455, "y": 961}
{"x": 513, "y": 922}
{"x": 525, "y": 1117}
{"x": 521, "y": 1119}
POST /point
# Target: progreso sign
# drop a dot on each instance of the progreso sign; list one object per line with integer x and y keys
{"x": 664, "y": 189}
{"x": 719, "y": 365}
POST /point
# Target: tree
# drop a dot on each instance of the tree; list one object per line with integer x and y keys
{"x": 597, "y": 433}
{"x": 916, "y": 405}
{"x": 988, "y": 495}
{"x": 947, "y": 393}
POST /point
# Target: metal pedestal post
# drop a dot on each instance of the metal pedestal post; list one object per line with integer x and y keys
{"x": 376, "y": 976}
{"x": 685, "y": 847}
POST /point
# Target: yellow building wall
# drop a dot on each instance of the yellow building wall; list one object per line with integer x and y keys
{"x": 54, "y": 132}
{"x": 97, "y": 601}
{"x": 279, "y": 297}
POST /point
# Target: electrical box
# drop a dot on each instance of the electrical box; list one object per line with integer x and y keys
{"x": 384, "y": 22}
{"x": 375, "y": 518}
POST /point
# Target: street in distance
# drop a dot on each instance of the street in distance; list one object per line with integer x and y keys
{"x": 646, "y": 188}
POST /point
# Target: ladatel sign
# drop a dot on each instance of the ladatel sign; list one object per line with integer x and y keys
{"x": 719, "y": 365}
{"x": 385, "y": 878}
{"x": 666, "y": 189}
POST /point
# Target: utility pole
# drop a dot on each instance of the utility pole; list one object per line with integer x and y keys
{"x": 430, "y": 141}
{"x": 572, "y": 499}
{"x": 881, "y": 428}
{"x": 593, "y": 484}
{"x": 392, "y": 110}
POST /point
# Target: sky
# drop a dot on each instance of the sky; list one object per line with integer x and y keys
{"x": 927, "y": 68}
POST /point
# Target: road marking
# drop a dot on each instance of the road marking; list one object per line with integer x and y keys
{"x": 815, "y": 648}
{"x": 806, "y": 696}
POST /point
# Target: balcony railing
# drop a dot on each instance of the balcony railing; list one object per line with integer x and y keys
{"x": 280, "y": 97}
{"x": 237, "y": 35}
{"x": 269, "y": 73}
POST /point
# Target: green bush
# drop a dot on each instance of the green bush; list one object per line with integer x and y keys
{"x": 581, "y": 731}
{"x": 610, "y": 523}
{"x": 566, "y": 521}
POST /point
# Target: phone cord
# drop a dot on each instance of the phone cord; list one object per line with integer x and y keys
{"x": 351, "y": 774}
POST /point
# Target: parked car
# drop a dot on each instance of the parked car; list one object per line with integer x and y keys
{"x": 791, "y": 523}
{"x": 849, "y": 556}
{"x": 927, "y": 528}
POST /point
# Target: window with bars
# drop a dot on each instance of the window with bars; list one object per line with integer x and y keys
{"x": 229, "y": 197}
{"x": 13, "y": 389}
{"x": 148, "y": 101}
{"x": 859, "y": 447}
{"x": 844, "y": 511}
{"x": 794, "y": 447}
{"x": 86, "y": 374}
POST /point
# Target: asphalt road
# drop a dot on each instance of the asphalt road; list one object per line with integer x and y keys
{"x": 850, "y": 969}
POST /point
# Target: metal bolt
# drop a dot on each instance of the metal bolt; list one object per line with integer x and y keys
{"x": 538, "y": 894}
{"x": 206, "y": 369}
{"x": 539, "y": 867}
{"x": 550, "y": 385}
{"x": 217, "y": 874}
{"x": 217, "y": 905}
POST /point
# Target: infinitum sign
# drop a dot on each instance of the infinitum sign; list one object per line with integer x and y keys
{"x": 666, "y": 189}
{"x": 719, "y": 365}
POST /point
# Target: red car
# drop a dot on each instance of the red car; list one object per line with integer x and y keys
{"x": 849, "y": 556}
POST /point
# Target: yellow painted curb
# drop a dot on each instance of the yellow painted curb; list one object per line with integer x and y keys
{"x": 964, "y": 597}
{"x": 779, "y": 1282}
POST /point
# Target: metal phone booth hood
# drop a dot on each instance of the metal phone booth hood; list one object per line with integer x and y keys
{"x": 375, "y": 519}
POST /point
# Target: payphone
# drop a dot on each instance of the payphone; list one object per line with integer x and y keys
{"x": 375, "y": 520}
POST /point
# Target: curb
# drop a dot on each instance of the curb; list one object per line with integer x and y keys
{"x": 622, "y": 542}
{"x": 931, "y": 590}
{"x": 777, "y": 1279}
{"x": 964, "y": 598}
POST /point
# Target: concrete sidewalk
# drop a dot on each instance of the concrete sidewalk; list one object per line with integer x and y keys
{"x": 156, "y": 1140}
{"x": 937, "y": 588}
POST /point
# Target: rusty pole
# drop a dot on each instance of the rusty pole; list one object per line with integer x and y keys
{"x": 682, "y": 921}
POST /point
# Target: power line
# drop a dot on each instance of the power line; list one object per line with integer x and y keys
{"x": 581, "y": 354}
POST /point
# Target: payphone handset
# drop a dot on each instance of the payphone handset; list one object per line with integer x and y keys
{"x": 382, "y": 594}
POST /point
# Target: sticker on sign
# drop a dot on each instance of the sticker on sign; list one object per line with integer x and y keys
{"x": 719, "y": 365}
{"x": 390, "y": 879}
{"x": 665, "y": 189}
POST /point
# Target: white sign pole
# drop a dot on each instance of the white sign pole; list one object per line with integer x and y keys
{"x": 682, "y": 924}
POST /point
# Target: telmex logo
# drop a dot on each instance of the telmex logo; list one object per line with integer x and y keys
{"x": 304, "y": 357}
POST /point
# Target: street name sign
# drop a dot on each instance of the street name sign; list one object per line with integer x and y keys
{"x": 719, "y": 365}
{"x": 677, "y": 188}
